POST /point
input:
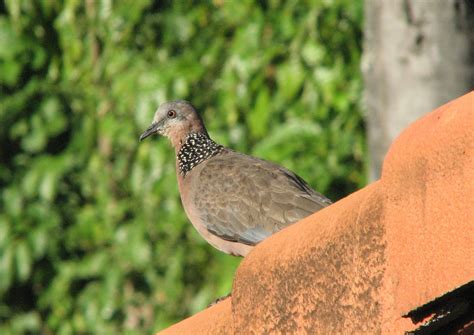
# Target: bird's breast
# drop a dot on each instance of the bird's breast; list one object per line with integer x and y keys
{"x": 187, "y": 190}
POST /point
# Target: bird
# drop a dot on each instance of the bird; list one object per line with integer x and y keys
{"x": 234, "y": 200}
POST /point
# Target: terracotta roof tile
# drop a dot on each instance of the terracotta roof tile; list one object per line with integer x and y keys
{"x": 213, "y": 320}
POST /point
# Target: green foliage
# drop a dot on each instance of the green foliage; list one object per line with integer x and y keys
{"x": 93, "y": 238}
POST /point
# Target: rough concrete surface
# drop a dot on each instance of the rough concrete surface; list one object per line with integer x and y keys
{"x": 360, "y": 265}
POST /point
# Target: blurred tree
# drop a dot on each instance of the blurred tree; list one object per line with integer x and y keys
{"x": 93, "y": 238}
{"x": 418, "y": 55}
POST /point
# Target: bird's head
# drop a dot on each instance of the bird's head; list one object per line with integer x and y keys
{"x": 175, "y": 120}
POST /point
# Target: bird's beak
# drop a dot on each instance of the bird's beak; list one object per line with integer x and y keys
{"x": 153, "y": 129}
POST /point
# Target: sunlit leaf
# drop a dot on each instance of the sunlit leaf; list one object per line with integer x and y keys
{"x": 23, "y": 260}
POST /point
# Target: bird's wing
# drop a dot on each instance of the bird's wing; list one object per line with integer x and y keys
{"x": 245, "y": 199}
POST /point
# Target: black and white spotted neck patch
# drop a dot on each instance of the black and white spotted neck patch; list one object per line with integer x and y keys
{"x": 196, "y": 149}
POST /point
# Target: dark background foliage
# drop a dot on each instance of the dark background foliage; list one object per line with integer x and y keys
{"x": 93, "y": 238}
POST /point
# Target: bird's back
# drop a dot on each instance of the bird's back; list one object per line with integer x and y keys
{"x": 244, "y": 199}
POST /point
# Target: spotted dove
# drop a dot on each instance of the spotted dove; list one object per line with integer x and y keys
{"x": 233, "y": 200}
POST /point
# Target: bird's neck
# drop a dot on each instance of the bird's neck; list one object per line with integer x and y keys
{"x": 196, "y": 148}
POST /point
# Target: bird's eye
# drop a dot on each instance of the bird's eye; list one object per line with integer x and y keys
{"x": 171, "y": 113}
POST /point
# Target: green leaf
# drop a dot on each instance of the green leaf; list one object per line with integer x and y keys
{"x": 23, "y": 261}
{"x": 290, "y": 77}
{"x": 259, "y": 117}
{"x": 6, "y": 267}
{"x": 4, "y": 232}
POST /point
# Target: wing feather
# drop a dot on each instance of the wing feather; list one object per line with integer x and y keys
{"x": 251, "y": 198}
